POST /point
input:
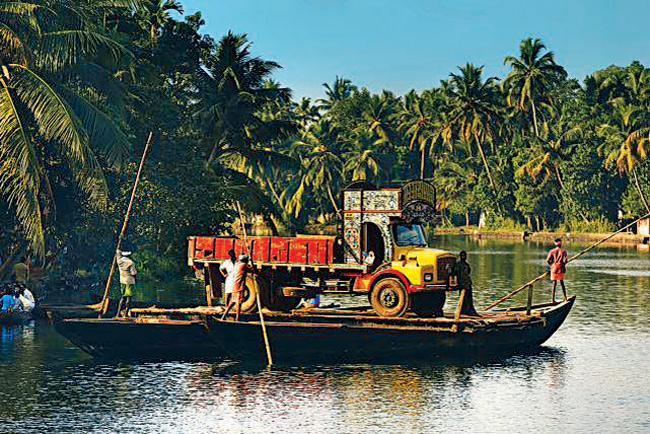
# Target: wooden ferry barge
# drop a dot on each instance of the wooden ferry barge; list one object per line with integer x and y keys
{"x": 381, "y": 252}
{"x": 317, "y": 335}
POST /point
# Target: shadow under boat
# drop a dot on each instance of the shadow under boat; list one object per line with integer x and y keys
{"x": 317, "y": 337}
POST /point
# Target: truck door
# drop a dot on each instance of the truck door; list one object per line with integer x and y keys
{"x": 372, "y": 241}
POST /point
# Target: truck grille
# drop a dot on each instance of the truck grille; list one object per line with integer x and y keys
{"x": 444, "y": 266}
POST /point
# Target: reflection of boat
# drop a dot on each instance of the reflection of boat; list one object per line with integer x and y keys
{"x": 16, "y": 317}
{"x": 348, "y": 335}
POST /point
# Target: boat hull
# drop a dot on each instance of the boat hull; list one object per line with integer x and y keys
{"x": 125, "y": 340}
{"x": 15, "y": 318}
{"x": 322, "y": 341}
{"x": 341, "y": 343}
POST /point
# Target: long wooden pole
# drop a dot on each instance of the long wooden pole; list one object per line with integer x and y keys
{"x": 257, "y": 289}
{"x": 573, "y": 258}
{"x": 109, "y": 282}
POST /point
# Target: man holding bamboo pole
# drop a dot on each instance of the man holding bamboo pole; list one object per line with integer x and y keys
{"x": 557, "y": 259}
{"x": 240, "y": 273}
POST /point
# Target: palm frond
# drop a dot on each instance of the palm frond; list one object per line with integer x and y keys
{"x": 62, "y": 48}
{"x": 57, "y": 121}
{"x": 19, "y": 175}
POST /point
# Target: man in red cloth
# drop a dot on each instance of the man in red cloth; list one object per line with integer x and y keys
{"x": 240, "y": 272}
{"x": 557, "y": 260}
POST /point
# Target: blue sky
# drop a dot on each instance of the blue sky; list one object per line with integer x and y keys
{"x": 412, "y": 44}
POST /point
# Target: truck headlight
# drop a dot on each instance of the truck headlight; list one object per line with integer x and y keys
{"x": 428, "y": 277}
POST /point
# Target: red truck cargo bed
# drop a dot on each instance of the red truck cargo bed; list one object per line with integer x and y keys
{"x": 294, "y": 251}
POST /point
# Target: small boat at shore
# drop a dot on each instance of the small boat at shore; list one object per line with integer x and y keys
{"x": 15, "y": 317}
{"x": 316, "y": 335}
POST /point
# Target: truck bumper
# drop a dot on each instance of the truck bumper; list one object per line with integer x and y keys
{"x": 427, "y": 288}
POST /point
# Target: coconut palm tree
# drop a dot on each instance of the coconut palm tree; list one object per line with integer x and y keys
{"x": 421, "y": 123}
{"x": 532, "y": 76}
{"x": 625, "y": 146}
{"x": 474, "y": 112}
{"x": 322, "y": 166}
{"x": 380, "y": 115}
{"x": 556, "y": 141}
{"x": 153, "y": 15}
{"x": 44, "y": 117}
{"x": 234, "y": 92}
{"x": 558, "y": 137}
{"x": 365, "y": 159}
{"x": 340, "y": 89}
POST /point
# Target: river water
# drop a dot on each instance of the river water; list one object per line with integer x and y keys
{"x": 592, "y": 376}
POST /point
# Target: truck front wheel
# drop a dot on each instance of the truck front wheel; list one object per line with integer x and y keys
{"x": 389, "y": 298}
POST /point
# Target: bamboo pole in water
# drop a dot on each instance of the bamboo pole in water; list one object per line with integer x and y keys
{"x": 573, "y": 258}
{"x": 109, "y": 282}
{"x": 257, "y": 289}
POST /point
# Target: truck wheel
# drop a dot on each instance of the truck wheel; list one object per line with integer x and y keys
{"x": 276, "y": 300}
{"x": 428, "y": 304}
{"x": 389, "y": 298}
{"x": 249, "y": 301}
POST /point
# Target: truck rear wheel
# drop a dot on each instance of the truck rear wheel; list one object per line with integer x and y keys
{"x": 249, "y": 301}
{"x": 389, "y": 298}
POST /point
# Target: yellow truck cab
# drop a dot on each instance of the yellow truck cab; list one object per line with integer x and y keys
{"x": 383, "y": 229}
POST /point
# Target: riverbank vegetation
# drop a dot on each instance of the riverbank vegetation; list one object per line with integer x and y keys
{"x": 83, "y": 82}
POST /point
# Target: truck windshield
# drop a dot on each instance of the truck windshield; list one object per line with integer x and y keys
{"x": 409, "y": 235}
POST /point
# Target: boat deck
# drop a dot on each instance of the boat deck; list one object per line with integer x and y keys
{"x": 346, "y": 315}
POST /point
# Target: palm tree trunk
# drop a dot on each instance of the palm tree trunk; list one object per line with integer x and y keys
{"x": 487, "y": 167}
{"x": 331, "y": 196}
{"x": 558, "y": 175}
{"x": 423, "y": 158}
{"x": 640, "y": 191}
{"x": 532, "y": 103}
{"x": 275, "y": 193}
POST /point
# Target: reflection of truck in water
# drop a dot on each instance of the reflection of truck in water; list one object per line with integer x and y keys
{"x": 381, "y": 250}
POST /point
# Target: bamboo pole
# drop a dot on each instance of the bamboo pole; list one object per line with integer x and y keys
{"x": 109, "y": 282}
{"x": 257, "y": 289}
{"x": 571, "y": 259}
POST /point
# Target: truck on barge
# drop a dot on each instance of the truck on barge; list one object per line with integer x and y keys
{"x": 380, "y": 250}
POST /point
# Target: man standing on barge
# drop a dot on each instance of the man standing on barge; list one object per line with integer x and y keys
{"x": 240, "y": 272}
{"x": 557, "y": 260}
{"x": 127, "y": 281}
{"x": 463, "y": 272}
{"x": 227, "y": 271}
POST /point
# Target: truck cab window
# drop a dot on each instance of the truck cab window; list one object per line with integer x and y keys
{"x": 409, "y": 235}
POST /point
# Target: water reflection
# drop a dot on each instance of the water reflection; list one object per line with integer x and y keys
{"x": 590, "y": 377}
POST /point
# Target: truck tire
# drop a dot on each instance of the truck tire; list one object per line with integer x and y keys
{"x": 249, "y": 301}
{"x": 277, "y": 301}
{"x": 428, "y": 304}
{"x": 389, "y": 298}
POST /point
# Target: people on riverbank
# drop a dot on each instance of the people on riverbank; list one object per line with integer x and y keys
{"x": 227, "y": 271}
{"x": 26, "y": 298}
{"x": 557, "y": 259}
{"x": 462, "y": 271}
{"x": 21, "y": 270}
{"x": 8, "y": 301}
{"x": 128, "y": 275}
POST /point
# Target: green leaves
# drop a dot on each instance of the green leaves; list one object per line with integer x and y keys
{"x": 19, "y": 168}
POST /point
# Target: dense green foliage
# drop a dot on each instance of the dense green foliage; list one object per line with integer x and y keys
{"x": 83, "y": 82}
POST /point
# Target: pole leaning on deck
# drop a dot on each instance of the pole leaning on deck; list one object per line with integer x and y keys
{"x": 109, "y": 282}
{"x": 257, "y": 289}
{"x": 573, "y": 258}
